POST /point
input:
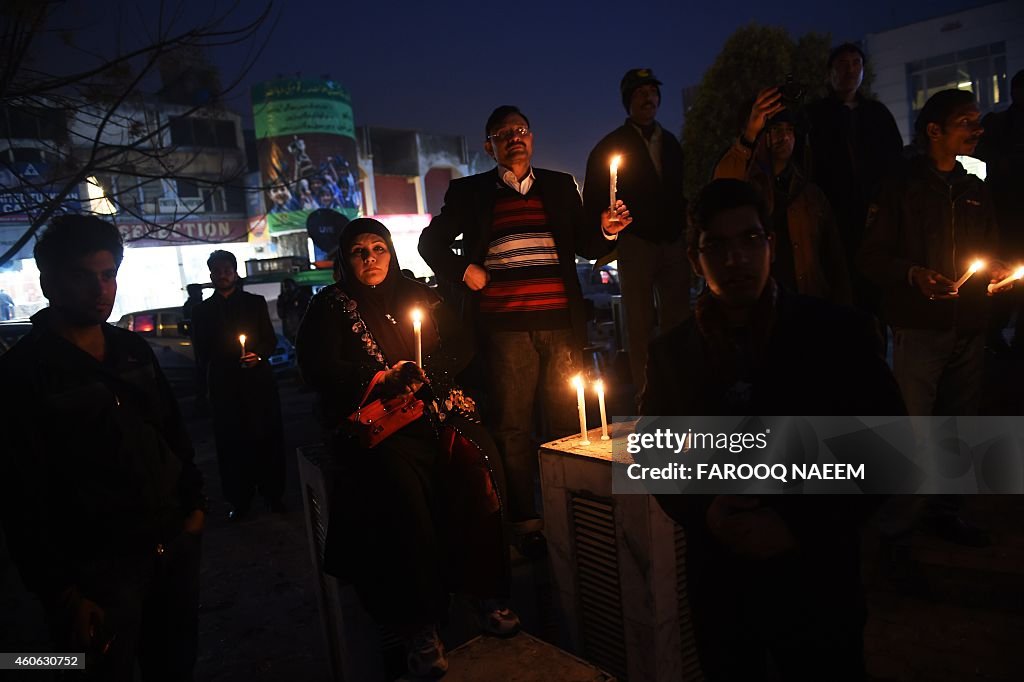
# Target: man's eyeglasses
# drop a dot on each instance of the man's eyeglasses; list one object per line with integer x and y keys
{"x": 748, "y": 243}
{"x": 508, "y": 134}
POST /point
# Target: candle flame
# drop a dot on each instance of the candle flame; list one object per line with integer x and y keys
{"x": 599, "y": 386}
{"x": 417, "y": 315}
{"x": 241, "y": 339}
{"x": 1018, "y": 273}
{"x": 577, "y": 381}
{"x": 977, "y": 265}
{"x": 615, "y": 162}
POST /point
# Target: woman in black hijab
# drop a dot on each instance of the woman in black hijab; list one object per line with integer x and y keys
{"x": 418, "y": 515}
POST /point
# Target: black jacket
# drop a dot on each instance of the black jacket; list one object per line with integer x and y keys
{"x": 657, "y": 204}
{"x": 96, "y": 460}
{"x": 820, "y": 360}
{"x": 468, "y": 210}
{"x": 851, "y": 151}
{"x": 921, "y": 218}
{"x": 216, "y": 325}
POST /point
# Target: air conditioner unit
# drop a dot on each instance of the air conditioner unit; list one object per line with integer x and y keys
{"x": 179, "y": 205}
{"x": 618, "y": 567}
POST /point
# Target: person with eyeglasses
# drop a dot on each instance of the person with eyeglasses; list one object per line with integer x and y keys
{"x": 652, "y": 253}
{"x": 809, "y": 256}
{"x": 522, "y": 228}
{"x": 930, "y": 221}
{"x": 773, "y": 577}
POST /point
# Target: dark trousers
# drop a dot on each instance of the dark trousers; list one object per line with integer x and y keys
{"x": 407, "y": 529}
{"x": 151, "y": 614}
{"x": 526, "y": 369}
{"x": 250, "y": 445}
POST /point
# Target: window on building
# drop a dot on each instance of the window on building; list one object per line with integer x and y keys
{"x": 27, "y": 155}
{"x": 203, "y": 132}
{"x": 982, "y": 70}
{"x": 188, "y": 188}
{"x": 31, "y": 123}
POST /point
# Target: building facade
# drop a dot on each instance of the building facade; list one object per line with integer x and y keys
{"x": 978, "y": 49}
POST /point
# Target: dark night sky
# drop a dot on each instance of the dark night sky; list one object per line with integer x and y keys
{"x": 443, "y": 66}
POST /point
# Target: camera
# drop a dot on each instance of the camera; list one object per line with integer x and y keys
{"x": 791, "y": 91}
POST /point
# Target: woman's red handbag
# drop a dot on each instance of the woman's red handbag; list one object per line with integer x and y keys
{"x": 373, "y": 422}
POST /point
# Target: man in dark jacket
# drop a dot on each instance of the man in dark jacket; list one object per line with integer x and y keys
{"x": 521, "y": 229}
{"x": 931, "y": 220}
{"x": 777, "y": 576}
{"x": 929, "y": 223}
{"x": 101, "y": 502}
{"x": 652, "y": 253}
{"x": 854, "y": 142}
{"x": 242, "y": 391}
{"x": 1001, "y": 147}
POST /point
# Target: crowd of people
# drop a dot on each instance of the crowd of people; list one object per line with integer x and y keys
{"x": 803, "y": 268}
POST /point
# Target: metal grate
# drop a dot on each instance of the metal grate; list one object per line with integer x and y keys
{"x": 687, "y": 643}
{"x": 600, "y": 595}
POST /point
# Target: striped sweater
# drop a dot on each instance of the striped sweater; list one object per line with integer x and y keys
{"x": 526, "y": 290}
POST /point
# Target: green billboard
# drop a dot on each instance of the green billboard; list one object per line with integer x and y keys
{"x": 305, "y": 139}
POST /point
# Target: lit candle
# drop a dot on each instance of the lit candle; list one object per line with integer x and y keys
{"x": 1017, "y": 274}
{"x": 577, "y": 381}
{"x": 614, "y": 181}
{"x": 241, "y": 340}
{"x": 417, "y": 330}
{"x": 599, "y": 387}
{"x": 975, "y": 266}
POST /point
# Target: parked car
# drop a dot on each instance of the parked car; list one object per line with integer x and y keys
{"x": 599, "y": 285}
{"x": 11, "y": 331}
{"x": 168, "y": 335}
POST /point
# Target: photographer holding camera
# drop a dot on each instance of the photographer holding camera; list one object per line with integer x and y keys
{"x": 809, "y": 256}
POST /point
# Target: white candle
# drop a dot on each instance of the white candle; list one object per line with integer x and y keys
{"x": 417, "y": 330}
{"x": 599, "y": 387}
{"x": 241, "y": 340}
{"x": 1017, "y": 274}
{"x": 613, "y": 187}
{"x": 577, "y": 381}
{"x": 975, "y": 266}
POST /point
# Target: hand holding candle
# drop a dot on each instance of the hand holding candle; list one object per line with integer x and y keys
{"x": 996, "y": 286}
{"x": 417, "y": 330}
{"x": 613, "y": 187}
{"x": 975, "y": 266}
{"x": 599, "y": 387}
{"x": 577, "y": 381}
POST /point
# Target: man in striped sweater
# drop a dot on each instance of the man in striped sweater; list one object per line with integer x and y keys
{"x": 521, "y": 229}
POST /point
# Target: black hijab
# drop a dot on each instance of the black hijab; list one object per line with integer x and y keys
{"x": 386, "y": 307}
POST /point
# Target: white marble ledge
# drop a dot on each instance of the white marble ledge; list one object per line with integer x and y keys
{"x": 597, "y": 449}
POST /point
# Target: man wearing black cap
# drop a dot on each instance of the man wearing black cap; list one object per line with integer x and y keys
{"x": 652, "y": 253}
{"x": 809, "y": 256}
{"x": 854, "y": 142}
{"x": 928, "y": 224}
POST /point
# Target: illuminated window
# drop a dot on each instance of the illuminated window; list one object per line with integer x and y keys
{"x": 982, "y": 70}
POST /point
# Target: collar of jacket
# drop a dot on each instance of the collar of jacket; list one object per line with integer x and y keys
{"x": 922, "y": 168}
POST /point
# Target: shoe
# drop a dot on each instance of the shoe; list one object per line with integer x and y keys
{"x": 533, "y": 545}
{"x": 496, "y": 619}
{"x": 954, "y": 529}
{"x": 277, "y": 506}
{"x": 426, "y": 656}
